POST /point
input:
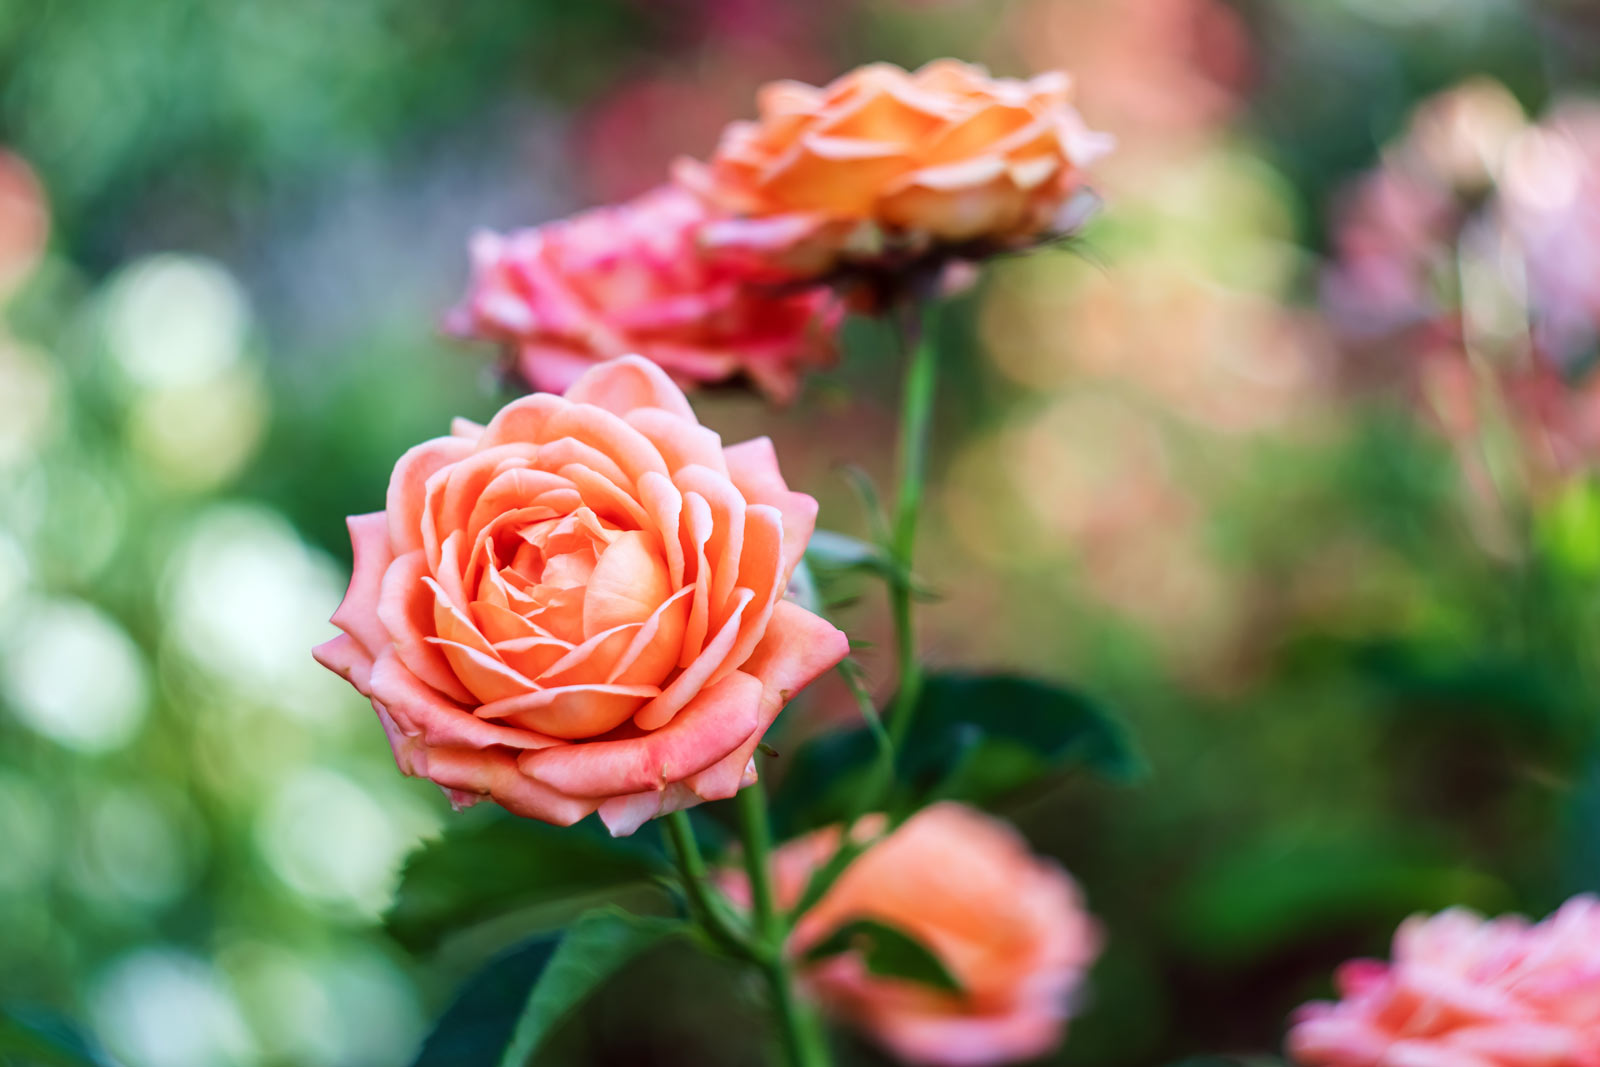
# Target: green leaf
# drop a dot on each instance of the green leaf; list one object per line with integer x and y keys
{"x": 888, "y": 952}
{"x": 504, "y": 1012}
{"x": 833, "y": 551}
{"x": 37, "y": 1035}
{"x": 978, "y": 736}
{"x": 975, "y": 738}
{"x": 491, "y": 865}
{"x": 475, "y": 1030}
{"x": 595, "y": 948}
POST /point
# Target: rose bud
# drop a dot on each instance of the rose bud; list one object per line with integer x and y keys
{"x": 580, "y": 606}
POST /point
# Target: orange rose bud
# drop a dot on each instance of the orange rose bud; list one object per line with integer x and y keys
{"x": 885, "y": 167}
{"x": 1008, "y": 925}
{"x": 580, "y": 606}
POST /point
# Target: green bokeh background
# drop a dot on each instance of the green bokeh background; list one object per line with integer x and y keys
{"x": 1352, "y": 707}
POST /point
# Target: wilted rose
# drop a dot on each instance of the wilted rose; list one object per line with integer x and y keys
{"x": 883, "y": 165}
{"x": 632, "y": 278}
{"x": 580, "y": 606}
{"x": 1008, "y": 925}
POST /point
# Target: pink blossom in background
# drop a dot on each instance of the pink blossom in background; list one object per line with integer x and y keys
{"x": 1463, "y": 991}
{"x": 1009, "y": 925}
{"x": 631, "y": 278}
{"x": 1550, "y": 207}
{"x": 24, "y": 221}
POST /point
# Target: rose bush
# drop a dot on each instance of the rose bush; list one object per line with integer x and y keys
{"x": 631, "y": 278}
{"x": 1463, "y": 991}
{"x": 580, "y": 606}
{"x": 1009, "y": 926}
{"x": 885, "y": 164}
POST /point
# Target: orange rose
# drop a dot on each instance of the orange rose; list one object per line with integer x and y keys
{"x": 1008, "y": 925}
{"x": 579, "y": 606}
{"x": 889, "y": 165}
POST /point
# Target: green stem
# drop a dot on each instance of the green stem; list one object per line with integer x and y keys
{"x": 798, "y": 1030}
{"x": 708, "y": 909}
{"x": 916, "y": 413}
{"x": 757, "y": 836}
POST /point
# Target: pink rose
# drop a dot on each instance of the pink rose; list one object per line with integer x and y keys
{"x": 633, "y": 279}
{"x": 580, "y": 606}
{"x": 1009, "y": 926}
{"x": 1463, "y": 991}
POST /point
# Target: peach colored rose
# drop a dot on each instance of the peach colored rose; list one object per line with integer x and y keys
{"x": 580, "y": 606}
{"x": 1009, "y": 926}
{"x": 632, "y": 279}
{"x": 883, "y": 164}
{"x": 1463, "y": 991}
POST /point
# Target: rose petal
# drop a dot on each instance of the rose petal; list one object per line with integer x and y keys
{"x": 753, "y": 468}
{"x": 715, "y": 722}
{"x": 406, "y": 608}
{"x": 629, "y": 384}
{"x": 572, "y": 711}
{"x": 357, "y": 614}
{"x": 344, "y": 656}
{"x": 629, "y": 582}
{"x": 495, "y": 774}
{"x": 422, "y": 712}
{"x": 683, "y": 688}
{"x": 408, "y": 488}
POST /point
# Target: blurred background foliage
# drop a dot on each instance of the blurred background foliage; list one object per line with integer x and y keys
{"x": 227, "y": 232}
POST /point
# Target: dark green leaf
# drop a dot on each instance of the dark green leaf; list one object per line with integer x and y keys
{"x": 490, "y": 865}
{"x": 502, "y": 1014}
{"x": 595, "y": 948}
{"x": 36, "y": 1035}
{"x": 475, "y": 1030}
{"x": 889, "y": 952}
{"x": 975, "y": 738}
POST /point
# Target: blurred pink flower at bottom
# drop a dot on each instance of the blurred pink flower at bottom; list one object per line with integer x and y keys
{"x": 1010, "y": 926}
{"x": 1463, "y": 991}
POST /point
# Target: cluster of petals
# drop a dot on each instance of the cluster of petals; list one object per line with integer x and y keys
{"x": 633, "y": 278}
{"x": 1008, "y": 925}
{"x": 1463, "y": 991}
{"x": 884, "y": 165}
{"x": 580, "y": 606}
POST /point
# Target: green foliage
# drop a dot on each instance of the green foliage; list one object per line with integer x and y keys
{"x": 492, "y": 864}
{"x": 504, "y": 1013}
{"x": 975, "y": 738}
{"x": 36, "y": 1037}
{"x": 888, "y": 952}
{"x": 594, "y": 948}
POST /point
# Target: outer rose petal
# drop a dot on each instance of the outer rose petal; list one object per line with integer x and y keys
{"x": 491, "y": 773}
{"x": 753, "y": 467}
{"x": 797, "y": 649}
{"x": 358, "y": 611}
{"x": 345, "y": 657}
{"x": 713, "y": 724}
{"x": 629, "y": 383}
